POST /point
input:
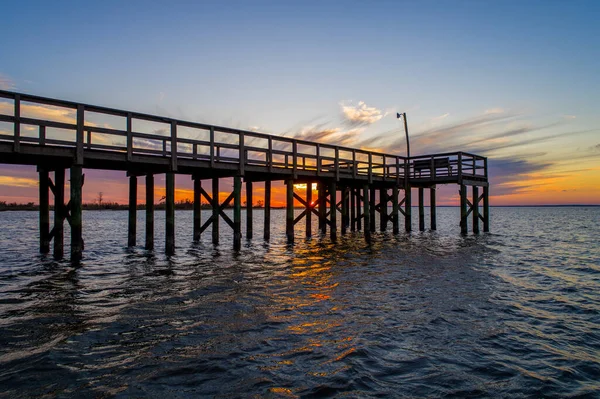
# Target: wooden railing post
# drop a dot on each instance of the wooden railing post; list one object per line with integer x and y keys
{"x": 17, "y": 124}
{"x": 129, "y": 138}
{"x": 337, "y": 164}
{"x": 460, "y": 168}
{"x": 212, "y": 146}
{"x": 173, "y": 146}
{"x": 370, "y": 168}
{"x": 295, "y": 159}
{"x": 318, "y": 152}
{"x": 79, "y": 135}
{"x": 242, "y": 154}
{"x": 270, "y": 154}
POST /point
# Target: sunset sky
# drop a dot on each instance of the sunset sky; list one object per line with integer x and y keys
{"x": 516, "y": 81}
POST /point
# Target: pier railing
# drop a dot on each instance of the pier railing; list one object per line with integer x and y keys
{"x": 50, "y": 122}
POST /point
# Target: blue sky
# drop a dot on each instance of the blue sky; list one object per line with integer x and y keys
{"x": 291, "y": 67}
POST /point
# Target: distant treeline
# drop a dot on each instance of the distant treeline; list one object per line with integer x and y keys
{"x": 180, "y": 205}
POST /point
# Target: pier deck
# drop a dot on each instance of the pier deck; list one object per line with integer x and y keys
{"x": 55, "y": 135}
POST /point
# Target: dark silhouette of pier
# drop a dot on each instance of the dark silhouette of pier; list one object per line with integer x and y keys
{"x": 354, "y": 184}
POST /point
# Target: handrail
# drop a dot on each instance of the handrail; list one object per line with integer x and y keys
{"x": 321, "y": 157}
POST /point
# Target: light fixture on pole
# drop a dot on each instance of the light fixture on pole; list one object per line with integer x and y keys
{"x": 403, "y": 116}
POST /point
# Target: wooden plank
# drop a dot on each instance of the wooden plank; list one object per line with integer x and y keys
{"x": 486, "y": 209}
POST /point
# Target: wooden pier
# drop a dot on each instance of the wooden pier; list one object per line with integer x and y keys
{"x": 354, "y": 185}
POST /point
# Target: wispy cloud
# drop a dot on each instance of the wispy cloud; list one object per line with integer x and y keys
{"x": 13, "y": 181}
{"x": 360, "y": 114}
{"x": 6, "y": 83}
{"x": 444, "y": 116}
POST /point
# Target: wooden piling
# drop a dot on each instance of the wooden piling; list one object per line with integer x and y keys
{"x": 59, "y": 216}
{"x": 344, "y": 204}
{"x": 289, "y": 214}
{"x": 249, "y": 209}
{"x": 215, "y": 210}
{"x": 407, "y": 209}
{"x": 149, "y": 211}
{"x": 267, "y": 221}
{"x": 44, "y": 211}
{"x": 372, "y": 209}
{"x": 367, "y": 213}
{"x": 333, "y": 211}
{"x": 359, "y": 210}
{"x": 383, "y": 205}
{"x": 486, "y": 209}
{"x": 322, "y": 208}
{"x": 463, "y": 209}
{"x": 131, "y": 227}
{"x": 395, "y": 211}
{"x": 237, "y": 211}
{"x": 197, "y": 208}
{"x": 432, "y": 208}
{"x": 475, "y": 210}
{"x": 170, "y": 214}
{"x": 309, "y": 209}
{"x": 76, "y": 216}
{"x": 421, "y": 209}
{"x": 353, "y": 209}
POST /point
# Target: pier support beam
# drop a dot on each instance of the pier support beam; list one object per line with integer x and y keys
{"x": 197, "y": 208}
{"x": 432, "y": 207}
{"x": 383, "y": 209}
{"x": 59, "y": 216}
{"x": 289, "y": 211}
{"x": 249, "y": 209}
{"x": 421, "y": 209}
{"x": 149, "y": 212}
{"x": 215, "y": 210}
{"x": 44, "y": 211}
{"x": 372, "y": 205}
{"x": 475, "y": 210}
{"x": 322, "y": 208}
{"x": 463, "y": 209}
{"x": 367, "y": 214}
{"x": 486, "y": 209}
{"x": 333, "y": 209}
{"x": 267, "y": 222}
{"x": 344, "y": 203}
{"x": 170, "y": 214}
{"x": 309, "y": 209}
{"x": 132, "y": 209}
{"x": 237, "y": 212}
{"x": 395, "y": 211}
{"x": 359, "y": 210}
{"x": 353, "y": 209}
{"x": 407, "y": 209}
{"x": 76, "y": 219}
